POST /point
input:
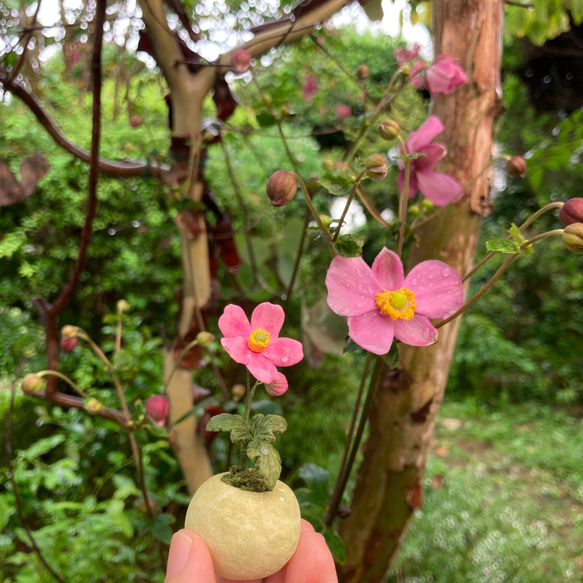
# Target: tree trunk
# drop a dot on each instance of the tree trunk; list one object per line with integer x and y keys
{"x": 402, "y": 418}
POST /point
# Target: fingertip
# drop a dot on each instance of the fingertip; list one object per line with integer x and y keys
{"x": 189, "y": 560}
{"x": 312, "y": 561}
{"x": 306, "y": 526}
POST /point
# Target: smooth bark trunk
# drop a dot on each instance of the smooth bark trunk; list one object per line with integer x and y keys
{"x": 390, "y": 480}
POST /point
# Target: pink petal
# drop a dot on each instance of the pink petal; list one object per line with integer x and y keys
{"x": 237, "y": 348}
{"x": 433, "y": 153}
{"x": 262, "y": 368}
{"x": 233, "y": 322}
{"x": 437, "y": 287}
{"x": 437, "y": 187}
{"x": 417, "y": 332}
{"x": 388, "y": 270}
{"x": 351, "y": 286}
{"x": 372, "y": 331}
{"x": 413, "y": 185}
{"x": 430, "y": 128}
{"x": 284, "y": 352}
{"x": 268, "y": 317}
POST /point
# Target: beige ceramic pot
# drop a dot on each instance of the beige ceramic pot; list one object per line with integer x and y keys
{"x": 251, "y": 535}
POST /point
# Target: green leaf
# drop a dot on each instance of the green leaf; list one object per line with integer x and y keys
{"x": 161, "y": 527}
{"x": 240, "y": 430}
{"x": 336, "y": 546}
{"x": 265, "y": 427}
{"x": 266, "y": 459}
{"x": 391, "y": 359}
{"x": 11, "y": 243}
{"x": 42, "y": 446}
{"x": 4, "y": 513}
{"x": 116, "y": 513}
{"x": 336, "y": 181}
{"x": 349, "y": 245}
{"x": 503, "y": 246}
{"x": 518, "y": 237}
{"x": 266, "y": 120}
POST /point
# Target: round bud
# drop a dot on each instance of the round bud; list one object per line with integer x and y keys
{"x": 238, "y": 391}
{"x": 313, "y": 185}
{"x": 278, "y": 387}
{"x": 516, "y": 166}
{"x": 69, "y": 332}
{"x": 32, "y": 383}
{"x": 389, "y": 130}
{"x": 327, "y": 163}
{"x": 122, "y": 306}
{"x": 204, "y": 339}
{"x": 68, "y": 344}
{"x": 342, "y": 165}
{"x": 158, "y": 407}
{"x": 241, "y": 61}
{"x": 325, "y": 220}
{"x": 571, "y": 212}
{"x": 136, "y": 121}
{"x": 376, "y": 167}
{"x": 573, "y": 237}
{"x": 92, "y": 406}
{"x": 362, "y": 72}
{"x": 281, "y": 187}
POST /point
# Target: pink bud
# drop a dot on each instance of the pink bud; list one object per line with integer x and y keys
{"x": 278, "y": 387}
{"x": 68, "y": 344}
{"x": 571, "y": 212}
{"x": 241, "y": 61}
{"x": 343, "y": 111}
{"x": 310, "y": 88}
{"x": 516, "y": 166}
{"x": 158, "y": 408}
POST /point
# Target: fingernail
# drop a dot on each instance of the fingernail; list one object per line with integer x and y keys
{"x": 179, "y": 553}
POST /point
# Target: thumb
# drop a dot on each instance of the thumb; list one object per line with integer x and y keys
{"x": 189, "y": 560}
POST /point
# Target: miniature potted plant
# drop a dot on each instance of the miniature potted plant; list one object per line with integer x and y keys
{"x": 248, "y": 518}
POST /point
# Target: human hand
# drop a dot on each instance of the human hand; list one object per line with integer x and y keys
{"x": 190, "y": 561}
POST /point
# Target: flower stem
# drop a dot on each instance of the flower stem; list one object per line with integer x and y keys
{"x": 346, "y": 207}
{"x": 403, "y": 200}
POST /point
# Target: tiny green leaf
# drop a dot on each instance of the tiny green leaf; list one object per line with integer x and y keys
{"x": 349, "y": 245}
{"x": 265, "y": 427}
{"x": 266, "y": 459}
{"x": 240, "y": 431}
{"x": 336, "y": 181}
{"x": 503, "y": 246}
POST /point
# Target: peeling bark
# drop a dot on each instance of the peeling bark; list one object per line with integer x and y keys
{"x": 402, "y": 419}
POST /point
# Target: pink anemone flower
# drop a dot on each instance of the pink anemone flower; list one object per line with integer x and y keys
{"x": 382, "y": 304}
{"x": 256, "y": 344}
{"x": 440, "y": 188}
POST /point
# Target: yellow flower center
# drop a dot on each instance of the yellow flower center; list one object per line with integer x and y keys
{"x": 399, "y": 303}
{"x": 258, "y": 340}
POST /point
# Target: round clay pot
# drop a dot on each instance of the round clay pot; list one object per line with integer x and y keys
{"x": 251, "y": 535}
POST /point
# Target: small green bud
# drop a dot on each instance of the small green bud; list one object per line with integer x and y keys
{"x": 312, "y": 185}
{"x": 32, "y": 383}
{"x": 376, "y": 167}
{"x": 427, "y": 205}
{"x": 92, "y": 406}
{"x": 281, "y": 187}
{"x": 389, "y": 130}
{"x": 325, "y": 220}
{"x": 414, "y": 210}
{"x": 573, "y": 237}
{"x": 122, "y": 307}
{"x": 205, "y": 339}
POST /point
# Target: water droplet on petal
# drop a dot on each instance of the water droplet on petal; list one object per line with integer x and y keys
{"x": 285, "y": 358}
{"x": 264, "y": 450}
{"x": 446, "y": 272}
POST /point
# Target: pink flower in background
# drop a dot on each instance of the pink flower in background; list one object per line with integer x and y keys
{"x": 343, "y": 111}
{"x": 278, "y": 387}
{"x": 310, "y": 88}
{"x": 444, "y": 75}
{"x": 404, "y": 55}
{"x": 382, "y": 304}
{"x": 241, "y": 61}
{"x": 440, "y": 188}
{"x": 256, "y": 344}
{"x": 158, "y": 407}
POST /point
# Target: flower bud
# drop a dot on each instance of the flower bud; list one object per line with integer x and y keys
{"x": 158, "y": 407}
{"x": 238, "y": 391}
{"x": 68, "y": 344}
{"x": 205, "y": 339}
{"x": 281, "y": 187}
{"x": 92, "y": 406}
{"x": 325, "y": 220}
{"x": 69, "y": 332}
{"x": 516, "y": 166}
{"x": 571, "y": 212}
{"x": 342, "y": 165}
{"x": 363, "y": 71}
{"x": 376, "y": 167}
{"x": 389, "y": 130}
{"x": 122, "y": 306}
{"x": 241, "y": 61}
{"x": 136, "y": 121}
{"x": 573, "y": 237}
{"x": 313, "y": 185}
{"x": 32, "y": 383}
{"x": 278, "y": 387}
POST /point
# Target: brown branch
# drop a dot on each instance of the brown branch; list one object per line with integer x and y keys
{"x": 110, "y": 167}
